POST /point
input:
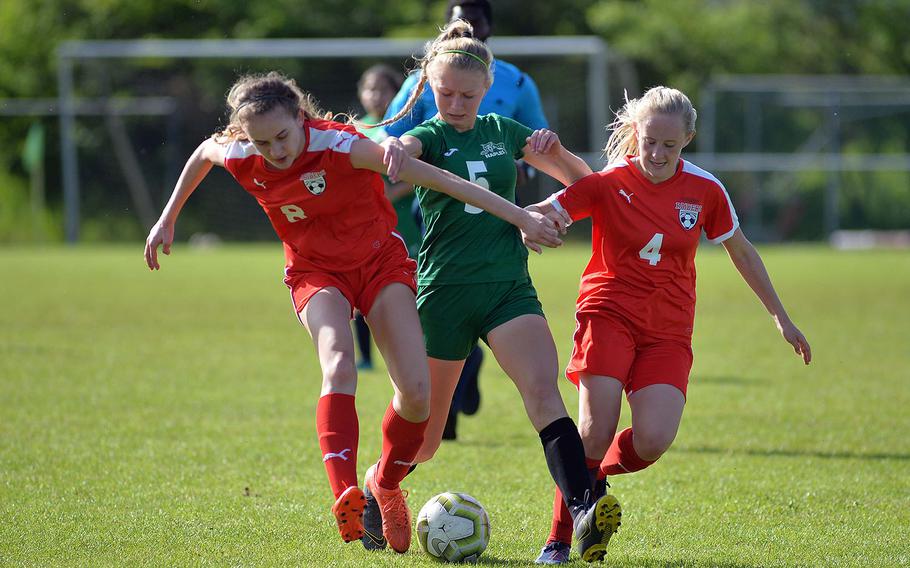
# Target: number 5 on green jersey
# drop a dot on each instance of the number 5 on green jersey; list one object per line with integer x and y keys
{"x": 476, "y": 167}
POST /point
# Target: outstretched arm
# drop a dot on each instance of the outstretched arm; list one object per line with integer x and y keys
{"x": 750, "y": 266}
{"x": 369, "y": 155}
{"x": 207, "y": 154}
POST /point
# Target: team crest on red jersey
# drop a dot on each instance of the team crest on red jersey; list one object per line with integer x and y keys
{"x": 314, "y": 181}
{"x": 688, "y": 214}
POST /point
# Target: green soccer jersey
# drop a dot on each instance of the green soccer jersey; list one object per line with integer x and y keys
{"x": 464, "y": 244}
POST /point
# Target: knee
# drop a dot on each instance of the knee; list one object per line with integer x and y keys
{"x": 650, "y": 444}
{"x": 594, "y": 437}
{"x": 415, "y": 395}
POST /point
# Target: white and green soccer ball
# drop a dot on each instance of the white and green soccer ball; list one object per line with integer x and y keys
{"x": 453, "y": 527}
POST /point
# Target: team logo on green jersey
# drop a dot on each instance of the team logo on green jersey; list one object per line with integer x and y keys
{"x": 492, "y": 149}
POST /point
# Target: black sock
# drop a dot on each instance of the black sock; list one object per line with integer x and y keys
{"x": 362, "y": 330}
{"x": 599, "y": 485}
{"x": 566, "y": 460}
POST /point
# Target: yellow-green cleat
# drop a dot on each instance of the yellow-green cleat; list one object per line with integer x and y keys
{"x": 595, "y": 526}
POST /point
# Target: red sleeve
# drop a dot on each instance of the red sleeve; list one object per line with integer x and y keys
{"x": 580, "y": 198}
{"x": 721, "y": 221}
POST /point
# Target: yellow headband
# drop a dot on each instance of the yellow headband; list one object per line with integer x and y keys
{"x": 468, "y": 53}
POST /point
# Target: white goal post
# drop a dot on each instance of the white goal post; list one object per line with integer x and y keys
{"x": 70, "y": 53}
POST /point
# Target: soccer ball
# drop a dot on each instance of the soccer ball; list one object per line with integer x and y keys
{"x": 453, "y": 527}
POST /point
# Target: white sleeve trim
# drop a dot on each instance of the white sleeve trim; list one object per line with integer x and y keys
{"x": 554, "y": 201}
{"x": 331, "y": 139}
{"x": 727, "y": 235}
{"x": 239, "y": 149}
{"x": 693, "y": 169}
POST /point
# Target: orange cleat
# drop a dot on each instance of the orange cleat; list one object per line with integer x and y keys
{"x": 396, "y": 517}
{"x": 348, "y": 511}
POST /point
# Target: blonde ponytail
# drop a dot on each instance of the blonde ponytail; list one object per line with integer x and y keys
{"x": 657, "y": 100}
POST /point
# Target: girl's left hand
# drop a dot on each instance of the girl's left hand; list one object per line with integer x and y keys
{"x": 544, "y": 141}
{"x": 795, "y": 337}
{"x": 394, "y": 156}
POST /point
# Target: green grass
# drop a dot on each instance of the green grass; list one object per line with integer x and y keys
{"x": 168, "y": 419}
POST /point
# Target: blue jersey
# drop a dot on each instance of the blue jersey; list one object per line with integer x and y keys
{"x": 513, "y": 94}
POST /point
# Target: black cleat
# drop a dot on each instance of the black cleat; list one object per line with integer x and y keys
{"x": 373, "y": 538}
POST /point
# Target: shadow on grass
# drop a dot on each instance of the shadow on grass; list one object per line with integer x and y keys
{"x": 687, "y": 563}
{"x": 646, "y": 562}
{"x": 875, "y": 456}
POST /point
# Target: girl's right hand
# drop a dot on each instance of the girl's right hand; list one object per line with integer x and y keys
{"x": 561, "y": 219}
{"x": 544, "y": 141}
{"x": 537, "y": 229}
{"x": 393, "y": 157}
{"x": 160, "y": 234}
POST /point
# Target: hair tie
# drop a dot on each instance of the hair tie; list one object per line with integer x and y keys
{"x": 468, "y": 53}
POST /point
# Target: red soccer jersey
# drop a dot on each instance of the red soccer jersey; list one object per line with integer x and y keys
{"x": 642, "y": 264}
{"x": 330, "y": 216}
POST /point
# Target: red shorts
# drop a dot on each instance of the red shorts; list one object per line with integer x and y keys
{"x": 607, "y": 345}
{"x": 361, "y": 285}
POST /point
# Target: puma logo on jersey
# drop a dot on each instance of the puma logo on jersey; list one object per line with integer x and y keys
{"x": 628, "y": 196}
{"x": 340, "y": 454}
{"x": 450, "y": 151}
{"x": 259, "y": 183}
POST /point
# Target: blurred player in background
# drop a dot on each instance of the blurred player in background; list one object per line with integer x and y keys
{"x": 514, "y": 95}
{"x": 636, "y": 306}
{"x": 318, "y": 181}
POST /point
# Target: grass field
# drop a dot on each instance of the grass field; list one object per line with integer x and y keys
{"x": 167, "y": 419}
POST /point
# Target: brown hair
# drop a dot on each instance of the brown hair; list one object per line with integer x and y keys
{"x": 253, "y": 95}
{"x": 390, "y": 76}
{"x": 455, "y": 46}
{"x": 657, "y": 100}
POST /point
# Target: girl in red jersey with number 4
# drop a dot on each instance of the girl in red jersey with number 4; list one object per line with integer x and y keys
{"x": 636, "y": 304}
{"x": 317, "y": 181}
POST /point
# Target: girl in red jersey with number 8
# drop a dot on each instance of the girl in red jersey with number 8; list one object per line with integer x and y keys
{"x": 636, "y": 304}
{"x": 318, "y": 181}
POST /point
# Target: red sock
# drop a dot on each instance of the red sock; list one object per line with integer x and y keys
{"x": 336, "y": 424}
{"x": 400, "y": 442}
{"x": 621, "y": 457}
{"x": 562, "y": 525}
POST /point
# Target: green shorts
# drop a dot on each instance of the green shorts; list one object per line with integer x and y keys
{"x": 455, "y": 316}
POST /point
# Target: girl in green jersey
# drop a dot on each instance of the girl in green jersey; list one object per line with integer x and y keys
{"x": 473, "y": 277}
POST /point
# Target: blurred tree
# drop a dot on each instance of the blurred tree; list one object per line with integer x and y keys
{"x": 682, "y": 43}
